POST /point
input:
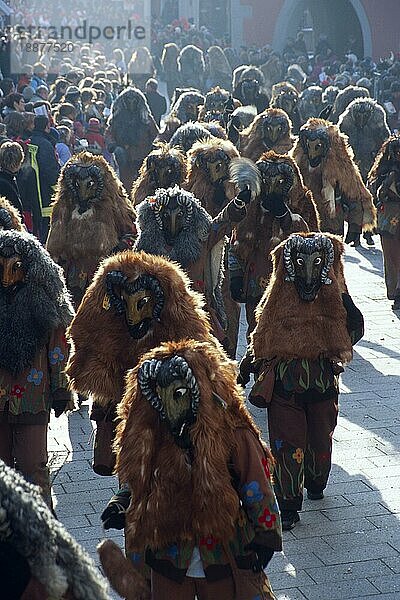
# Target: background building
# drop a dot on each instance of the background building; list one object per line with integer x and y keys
{"x": 371, "y": 26}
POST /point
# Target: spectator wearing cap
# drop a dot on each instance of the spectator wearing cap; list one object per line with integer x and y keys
{"x": 39, "y": 76}
{"x": 156, "y": 102}
{"x": 47, "y": 168}
{"x": 93, "y": 134}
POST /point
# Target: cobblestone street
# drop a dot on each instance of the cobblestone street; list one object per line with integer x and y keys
{"x": 346, "y": 545}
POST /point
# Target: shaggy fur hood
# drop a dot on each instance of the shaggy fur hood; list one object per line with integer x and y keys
{"x": 156, "y": 468}
{"x": 102, "y": 349}
{"x": 290, "y": 328}
{"x": 95, "y": 233}
{"x": 54, "y": 557}
{"x": 41, "y": 305}
{"x": 189, "y": 243}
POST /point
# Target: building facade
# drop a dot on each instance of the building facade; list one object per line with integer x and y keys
{"x": 372, "y": 27}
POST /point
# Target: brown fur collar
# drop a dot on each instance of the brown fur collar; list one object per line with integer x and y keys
{"x": 289, "y": 328}
{"x": 94, "y": 234}
{"x": 102, "y": 350}
{"x": 251, "y": 138}
{"x": 337, "y": 168}
{"x": 173, "y": 499}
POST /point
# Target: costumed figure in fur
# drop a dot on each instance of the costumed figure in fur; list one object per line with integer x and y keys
{"x": 186, "y": 135}
{"x": 249, "y": 87}
{"x": 164, "y": 167}
{"x": 286, "y": 97}
{"x": 9, "y": 216}
{"x": 131, "y": 131}
{"x": 306, "y": 326}
{"x": 241, "y": 118}
{"x": 384, "y": 183}
{"x": 364, "y": 122}
{"x": 214, "y": 106}
{"x": 192, "y": 67}
{"x": 35, "y": 310}
{"x": 310, "y": 103}
{"x": 270, "y": 130}
{"x": 281, "y": 205}
{"x": 187, "y": 106}
{"x": 92, "y": 217}
{"x": 326, "y": 162}
{"x": 208, "y": 180}
{"x": 184, "y": 108}
{"x": 169, "y": 62}
{"x": 39, "y": 558}
{"x": 343, "y": 99}
{"x": 173, "y": 223}
{"x": 203, "y": 514}
{"x": 135, "y": 302}
{"x": 219, "y": 71}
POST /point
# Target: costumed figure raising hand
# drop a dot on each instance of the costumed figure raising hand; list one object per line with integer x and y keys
{"x": 281, "y": 206}
{"x": 203, "y": 514}
{"x": 208, "y": 179}
{"x": 306, "y": 326}
{"x": 173, "y": 223}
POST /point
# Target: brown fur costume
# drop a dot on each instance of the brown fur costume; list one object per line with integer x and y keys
{"x": 201, "y": 186}
{"x": 102, "y": 347}
{"x": 253, "y": 142}
{"x": 198, "y": 181}
{"x": 290, "y": 328}
{"x": 146, "y": 184}
{"x": 258, "y": 228}
{"x": 79, "y": 242}
{"x": 9, "y": 216}
{"x": 337, "y": 170}
{"x": 156, "y": 468}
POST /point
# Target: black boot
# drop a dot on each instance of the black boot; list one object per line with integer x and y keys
{"x": 353, "y": 238}
{"x": 367, "y": 235}
{"x": 396, "y": 303}
{"x": 289, "y": 519}
{"x": 316, "y": 495}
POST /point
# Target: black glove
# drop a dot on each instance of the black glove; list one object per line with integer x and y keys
{"x": 236, "y": 288}
{"x": 355, "y": 319}
{"x": 233, "y": 129}
{"x": 113, "y": 516}
{"x": 244, "y": 195}
{"x": 60, "y": 401}
{"x": 275, "y": 205}
{"x": 244, "y": 370}
{"x": 262, "y": 556}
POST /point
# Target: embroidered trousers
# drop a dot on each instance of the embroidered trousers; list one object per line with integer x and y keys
{"x": 300, "y": 433}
